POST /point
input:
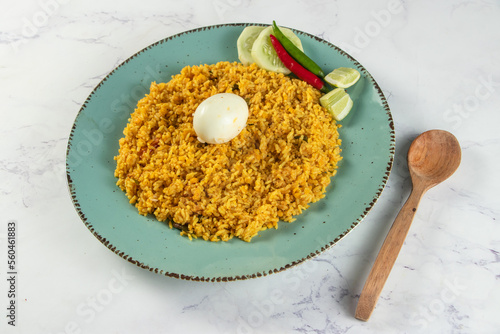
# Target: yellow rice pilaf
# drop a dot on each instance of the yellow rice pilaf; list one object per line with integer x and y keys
{"x": 280, "y": 163}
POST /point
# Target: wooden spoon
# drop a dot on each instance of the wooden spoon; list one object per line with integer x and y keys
{"x": 432, "y": 158}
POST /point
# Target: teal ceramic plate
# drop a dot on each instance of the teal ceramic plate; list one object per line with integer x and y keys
{"x": 368, "y": 143}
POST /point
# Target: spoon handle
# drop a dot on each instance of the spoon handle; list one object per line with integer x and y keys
{"x": 387, "y": 255}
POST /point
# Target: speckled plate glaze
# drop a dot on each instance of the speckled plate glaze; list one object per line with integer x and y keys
{"x": 368, "y": 143}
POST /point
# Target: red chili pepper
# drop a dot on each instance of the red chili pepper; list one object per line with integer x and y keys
{"x": 296, "y": 68}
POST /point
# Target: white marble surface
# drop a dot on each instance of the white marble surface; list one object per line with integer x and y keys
{"x": 437, "y": 63}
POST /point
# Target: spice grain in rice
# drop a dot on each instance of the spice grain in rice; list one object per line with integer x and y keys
{"x": 280, "y": 163}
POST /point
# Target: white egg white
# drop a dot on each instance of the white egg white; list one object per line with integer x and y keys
{"x": 220, "y": 118}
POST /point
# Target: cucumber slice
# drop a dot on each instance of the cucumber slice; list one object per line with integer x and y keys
{"x": 245, "y": 42}
{"x": 263, "y": 52}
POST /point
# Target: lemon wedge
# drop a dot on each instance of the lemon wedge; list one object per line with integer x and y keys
{"x": 337, "y": 102}
{"x": 343, "y": 77}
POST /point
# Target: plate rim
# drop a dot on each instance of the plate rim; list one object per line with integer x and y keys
{"x": 142, "y": 265}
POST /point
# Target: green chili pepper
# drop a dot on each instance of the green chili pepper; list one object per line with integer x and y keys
{"x": 294, "y": 66}
{"x": 296, "y": 53}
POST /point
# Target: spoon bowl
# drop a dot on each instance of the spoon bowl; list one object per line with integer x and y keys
{"x": 433, "y": 157}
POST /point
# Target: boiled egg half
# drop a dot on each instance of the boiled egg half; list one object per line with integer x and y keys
{"x": 220, "y": 118}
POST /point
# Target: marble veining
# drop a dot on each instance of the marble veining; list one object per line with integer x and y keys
{"x": 437, "y": 66}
